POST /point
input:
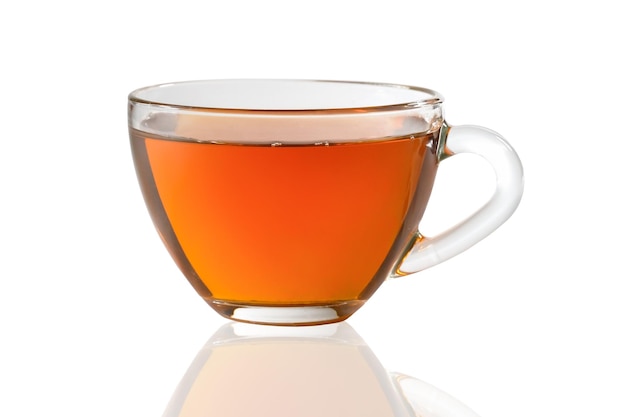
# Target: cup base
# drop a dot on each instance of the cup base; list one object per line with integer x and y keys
{"x": 293, "y": 315}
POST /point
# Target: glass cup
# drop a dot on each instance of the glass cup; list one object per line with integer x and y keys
{"x": 290, "y": 201}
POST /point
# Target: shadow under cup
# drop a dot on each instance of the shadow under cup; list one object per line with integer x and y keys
{"x": 284, "y": 201}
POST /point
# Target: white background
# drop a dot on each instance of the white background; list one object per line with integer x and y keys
{"x": 96, "y": 320}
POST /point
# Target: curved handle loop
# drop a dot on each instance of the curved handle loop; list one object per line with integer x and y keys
{"x": 430, "y": 251}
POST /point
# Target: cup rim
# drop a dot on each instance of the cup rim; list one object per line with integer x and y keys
{"x": 431, "y": 98}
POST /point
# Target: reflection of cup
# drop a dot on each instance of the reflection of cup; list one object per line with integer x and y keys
{"x": 250, "y": 370}
{"x": 290, "y": 202}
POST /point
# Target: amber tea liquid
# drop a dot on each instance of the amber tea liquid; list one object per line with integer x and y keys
{"x": 286, "y": 224}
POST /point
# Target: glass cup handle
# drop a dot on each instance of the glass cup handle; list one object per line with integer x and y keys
{"x": 430, "y": 251}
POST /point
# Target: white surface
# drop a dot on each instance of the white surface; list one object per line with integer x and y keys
{"x": 96, "y": 320}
